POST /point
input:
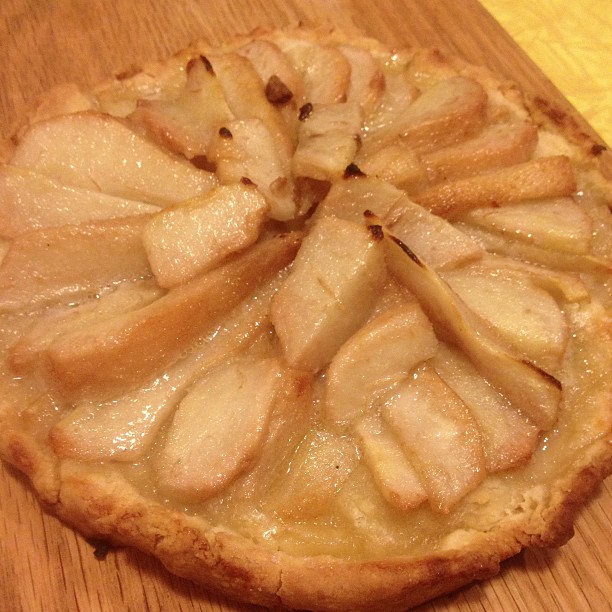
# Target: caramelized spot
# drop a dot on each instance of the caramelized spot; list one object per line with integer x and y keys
{"x": 353, "y": 170}
{"x": 305, "y": 111}
{"x": 225, "y": 133}
{"x": 598, "y": 149}
{"x": 407, "y": 250}
{"x": 376, "y": 231}
{"x": 277, "y": 92}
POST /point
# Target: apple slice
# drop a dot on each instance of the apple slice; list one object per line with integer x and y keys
{"x": 350, "y": 198}
{"x": 218, "y": 430}
{"x": 245, "y": 149}
{"x": 497, "y": 146}
{"x": 508, "y": 437}
{"x": 533, "y": 391}
{"x": 448, "y": 112}
{"x": 367, "y": 82}
{"x": 396, "y": 163}
{"x": 559, "y": 224}
{"x": 96, "y": 151}
{"x": 29, "y": 352}
{"x": 396, "y": 478}
{"x": 439, "y": 436}
{"x": 125, "y": 427}
{"x": 327, "y": 140}
{"x": 63, "y": 264}
{"x": 184, "y": 241}
{"x": 245, "y": 95}
{"x": 495, "y": 242}
{"x": 541, "y": 178}
{"x": 31, "y": 201}
{"x": 314, "y": 475}
{"x": 113, "y": 356}
{"x": 329, "y": 293}
{"x": 188, "y": 123}
{"x": 375, "y": 359}
{"x": 284, "y": 87}
{"x": 325, "y": 71}
{"x": 533, "y": 326}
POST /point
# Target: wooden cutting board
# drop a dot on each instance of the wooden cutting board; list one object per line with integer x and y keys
{"x": 45, "y": 566}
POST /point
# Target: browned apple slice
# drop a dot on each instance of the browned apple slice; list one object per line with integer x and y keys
{"x": 439, "y": 436}
{"x": 61, "y": 264}
{"x": 327, "y": 140}
{"x": 245, "y": 95}
{"x": 188, "y": 123}
{"x": 329, "y": 293}
{"x": 375, "y": 359}
{"x": 219, "y": 428}
{"x": 508, "y": 437}
{"x": 558, "y": 224}
{"x": 314, "y": 475}
{"x": 31, "y": 201}
{"x": 350, "y": 198}
{"x": 541, "y": 178}
{"x": 29, "y": 352}
{"x": 284, "y": 87}
{"x": 98, "y": 152}
{"x": 497, "y": 146}
{"x": 533, "y": 326}
{"x": 529, "y": 388}
{"x": 448, "y": 112}
{"x": 396, "y": 478}
{"x": 245, "y": 149}
{"x": 125, "y": 427}
{"x": 186, "y": 240}
{"x": 115, "y": 355}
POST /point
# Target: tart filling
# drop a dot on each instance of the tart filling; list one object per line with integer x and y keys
{"x": 306, "y": 304}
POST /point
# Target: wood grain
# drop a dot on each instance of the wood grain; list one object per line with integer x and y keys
{"x": 45, "y": 566}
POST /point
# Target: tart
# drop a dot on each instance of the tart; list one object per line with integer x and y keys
{"x": 317, "y": 323}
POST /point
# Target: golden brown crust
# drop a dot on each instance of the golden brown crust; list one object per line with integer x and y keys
{"x": 102, "y": 504}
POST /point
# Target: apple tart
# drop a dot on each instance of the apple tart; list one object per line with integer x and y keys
{"x": 318, "y": 323}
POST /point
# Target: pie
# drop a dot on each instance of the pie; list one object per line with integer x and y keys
{"x": 318, "y": 323}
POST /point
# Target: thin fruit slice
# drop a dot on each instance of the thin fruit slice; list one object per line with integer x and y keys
{"x": 125, "y": 427}
{"x": 113, "y": 356}
{"x": 98, "y": 152}
{"x": 329, "y": 293}
{"x": 184, "y": 241}
{"x": 327, "y": 140}
{"x": 497, "y": 146}
{"x": 63, "y": 264}
{"x": 245, "y": 149}
{"x": 558, "y": 224}
{"x": 448, "y": 112}
{"x": 32, "y": 201}
{"x": 375, "y": 359}
{"x": 525, "y": 317}
{"x": 439, "y": 435}
{"x": 188, "y": 123}
{"x": 508, "y": 437}
{"x": 541, "y": 178}
{"x": 529, "y": 388}
{"x": 218, "y": 429}
{"x": 396, "y": 478}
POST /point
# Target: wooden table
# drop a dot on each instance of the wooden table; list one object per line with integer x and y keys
{"x": 45, "y": 566}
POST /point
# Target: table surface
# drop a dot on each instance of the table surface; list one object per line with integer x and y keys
{"x": 45, "y": 566}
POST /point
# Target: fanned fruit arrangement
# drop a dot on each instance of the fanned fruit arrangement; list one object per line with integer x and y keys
{"x": 318, "y": 323}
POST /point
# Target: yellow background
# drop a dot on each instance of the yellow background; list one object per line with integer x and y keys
{"x": 571, "y": 42}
